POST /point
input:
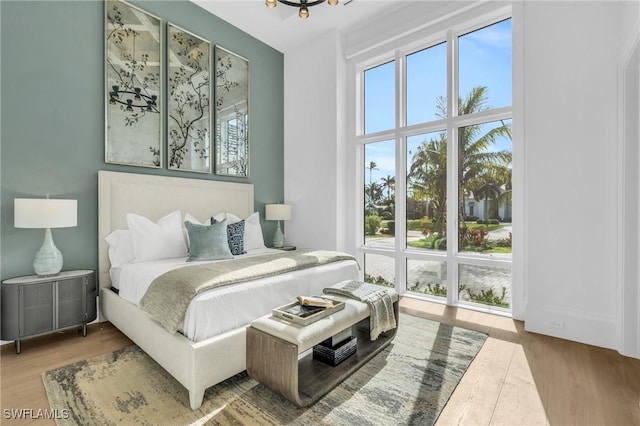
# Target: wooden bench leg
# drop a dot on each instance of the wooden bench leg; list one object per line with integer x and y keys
{"x": 274, "y": 362}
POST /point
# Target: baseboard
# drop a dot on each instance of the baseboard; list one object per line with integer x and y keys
{"x": 573, "y": 326}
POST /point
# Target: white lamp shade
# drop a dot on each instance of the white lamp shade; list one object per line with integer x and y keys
{"x": 277, "y": 212}
{"x": 44, "y": 213}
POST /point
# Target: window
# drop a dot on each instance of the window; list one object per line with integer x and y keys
{"x": 426, "y": 211}
{"x": 435, "y": 134}
{"x": 379, "y": 194}
{"x": 426, "y": 96}
{"x": 379, "y": 83}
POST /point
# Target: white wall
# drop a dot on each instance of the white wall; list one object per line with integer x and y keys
{"x": 629, "y": 176}
{"x": 572, "y": 51}
{"x": 314, "y": 144}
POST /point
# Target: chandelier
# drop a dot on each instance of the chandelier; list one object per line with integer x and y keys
{"x": 303, "y": 5}
{"x": 138, "y": 100}
{"x": 133, "y": 93}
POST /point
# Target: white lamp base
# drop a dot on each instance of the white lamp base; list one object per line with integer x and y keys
{"x": 278, "y": 237}
{"x": 48, "y": 260}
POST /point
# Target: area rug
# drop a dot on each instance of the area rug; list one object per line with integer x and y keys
{"x": 408, "y": 383}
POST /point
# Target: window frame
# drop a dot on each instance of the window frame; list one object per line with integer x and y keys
{"x": 448, "y": 32}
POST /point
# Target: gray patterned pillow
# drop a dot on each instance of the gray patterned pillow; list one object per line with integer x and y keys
{"x": 235, "y": 236}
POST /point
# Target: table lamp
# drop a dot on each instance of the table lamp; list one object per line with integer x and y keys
{"x": 278, "y": 212}
{"x": 45, "y": 213}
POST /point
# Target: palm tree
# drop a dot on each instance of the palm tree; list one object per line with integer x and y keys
{"x": 372, "y": 166}
{"x": 374, "y": 192}
{"x": 428, "y": 177}
{"x": 478, "y": 168}
{"x": 389, "y": 182}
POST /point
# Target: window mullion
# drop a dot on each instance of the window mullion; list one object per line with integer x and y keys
{"x": 400, "y": 185}
{"x": 452, "y": 76}
{"x": 452, "y": 169}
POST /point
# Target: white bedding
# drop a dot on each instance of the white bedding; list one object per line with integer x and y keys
{"x": 225, "y": 308}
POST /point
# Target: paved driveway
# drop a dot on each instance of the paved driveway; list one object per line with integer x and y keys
{"x": 421, "y": 273}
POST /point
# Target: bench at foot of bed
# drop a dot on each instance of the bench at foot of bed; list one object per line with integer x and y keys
{"x": 274, "y": 345}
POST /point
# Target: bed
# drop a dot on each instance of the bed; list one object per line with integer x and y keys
{"x": 206, "y": 359}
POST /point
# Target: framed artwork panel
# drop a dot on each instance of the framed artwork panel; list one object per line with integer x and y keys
{"x": 232, "y": 114}
{"x": 188, "y": 101}
{"x": 133, "y": 75}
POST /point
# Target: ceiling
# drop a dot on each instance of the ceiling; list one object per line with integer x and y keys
{"x": 282, "y": 28}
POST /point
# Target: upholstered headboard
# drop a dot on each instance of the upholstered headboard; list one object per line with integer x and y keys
{"x": 155, "y": 196}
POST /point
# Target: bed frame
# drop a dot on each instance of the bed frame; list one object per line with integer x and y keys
{"x": 196, "y": 365}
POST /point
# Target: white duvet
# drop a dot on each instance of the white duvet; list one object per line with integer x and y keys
{"x": 225, "y": 308}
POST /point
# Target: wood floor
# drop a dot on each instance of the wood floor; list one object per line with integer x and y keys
{"x": 517, "y": 378}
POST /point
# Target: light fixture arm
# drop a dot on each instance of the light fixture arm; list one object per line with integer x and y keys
{"x": 303, "y": 5}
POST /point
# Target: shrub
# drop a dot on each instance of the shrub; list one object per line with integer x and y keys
{"x": 488, "y": 222}
{"x": 430, "y": 240}
{"x": 386, "y": 215}
{"x": 372, "y": 223}
{"x": 487, "y": 297}
{"x": 440, "y": 244}
{"x": 380, "y": 280}
{"x": 425, "y": 222}
{"x": 470, "y": 218}
{"x": 505, "y": 242}
{"x": 436, "y": 290}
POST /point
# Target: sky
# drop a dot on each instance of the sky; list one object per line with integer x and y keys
{"x": 484, "y": 60}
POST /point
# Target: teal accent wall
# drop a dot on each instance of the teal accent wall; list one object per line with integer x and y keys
{"x": 52, "y": 117}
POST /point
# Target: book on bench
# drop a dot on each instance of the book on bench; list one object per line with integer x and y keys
{"x": 315, "y": 301}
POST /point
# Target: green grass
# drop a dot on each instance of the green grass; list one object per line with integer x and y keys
{"x": 474, "y": 226}
{"x": 425, "y": 243}
{"x": 503, "y": 250}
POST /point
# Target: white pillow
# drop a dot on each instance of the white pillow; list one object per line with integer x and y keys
{"x": 189, "y": 218}
{"x": 253, "y": 238}
{"x": 222, "y": 216}
{"x": 192, "y": 219}
{"x": 161, "y": 240}
{"x": 120, "y": 247}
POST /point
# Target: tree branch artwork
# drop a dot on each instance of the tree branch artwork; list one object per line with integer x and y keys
{"x": 232, "y": 114}
{"x": 132, "y": 61}
{"x": 188, "y": 101}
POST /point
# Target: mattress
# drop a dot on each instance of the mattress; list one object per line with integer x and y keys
{"x": 226, "y": 308}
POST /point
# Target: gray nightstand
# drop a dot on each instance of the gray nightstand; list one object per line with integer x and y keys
{"x": 33, "y": 305}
